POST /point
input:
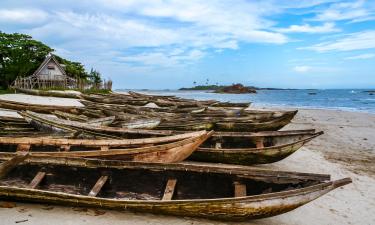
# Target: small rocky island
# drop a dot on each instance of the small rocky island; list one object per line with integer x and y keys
{"x": 230, "y": 89}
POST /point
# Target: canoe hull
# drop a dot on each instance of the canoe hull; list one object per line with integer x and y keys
{"x": 245, "y": 157}
{"x": 239, "y": 209}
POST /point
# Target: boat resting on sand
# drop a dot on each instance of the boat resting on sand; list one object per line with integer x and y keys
{"x": 93, "y": 144}
{"x": 252, "y": 148}
{"x": 168, "y": 153}
{"x": 44, "y": 122}
{"x": 230, "y": 124}
{"x": 213, "y": 192}
{"x": 6, "y": 104}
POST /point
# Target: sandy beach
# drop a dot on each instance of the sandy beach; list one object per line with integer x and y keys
{"x": 347, "y": 149}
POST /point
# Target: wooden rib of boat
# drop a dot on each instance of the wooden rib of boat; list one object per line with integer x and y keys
{"x": 46, "y": 123}
{"x": 249, "y": 149}
{"x": 36, "y": 107}
{"x": 213, "y": 192}
{"x": 170, "y": 152}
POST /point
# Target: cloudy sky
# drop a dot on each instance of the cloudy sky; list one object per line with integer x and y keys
{"x": 169, "y": 44}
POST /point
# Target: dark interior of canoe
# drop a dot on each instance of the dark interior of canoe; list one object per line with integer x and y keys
{"x": 252, "y": 142}
{"x": 143, "y": 184}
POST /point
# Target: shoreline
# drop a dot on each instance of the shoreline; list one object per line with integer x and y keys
{"x": 347, "y": 149}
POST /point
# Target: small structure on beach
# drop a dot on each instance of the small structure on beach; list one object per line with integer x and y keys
{"x": 50, "y": 74}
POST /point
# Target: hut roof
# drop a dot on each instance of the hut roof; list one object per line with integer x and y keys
{"x": 46, "y": 61}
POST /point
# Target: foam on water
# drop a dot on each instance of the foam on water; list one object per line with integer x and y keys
{"x": 343, "y": 99}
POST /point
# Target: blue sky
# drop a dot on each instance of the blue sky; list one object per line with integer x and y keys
{"x": 169, "y": 44}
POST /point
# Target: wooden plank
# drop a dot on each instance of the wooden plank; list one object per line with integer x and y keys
{"x": 239, "y": 189}
{"x": 23, "y": 147}
{"x": 98, "y": 186}
{"x": 7, "y": 166}
{"x": 169, "y": 189}
{"x": 37, "y": 179}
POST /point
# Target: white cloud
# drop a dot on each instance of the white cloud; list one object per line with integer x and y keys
{"x": 302, "y": 69}
{"x": 353, "y": 41}
{"x": 165, "y": 58}
{"x": 306, "y": 28}
{"x": 25, "y": 16}
{"x": 362, "y": 56}
{"x": 354, "y": 11}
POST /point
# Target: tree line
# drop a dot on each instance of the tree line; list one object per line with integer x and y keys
{"x": 21, "y": 55}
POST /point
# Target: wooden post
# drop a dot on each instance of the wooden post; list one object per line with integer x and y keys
{"x": 169, "y": 189}
{"x": 37, "y": 179}
{"x": 98, "y": 186}
{"x": 239, "y": 189}
{"x": 7, "y": 166}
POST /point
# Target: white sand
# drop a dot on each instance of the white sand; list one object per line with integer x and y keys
{"x": 347, "y": 149}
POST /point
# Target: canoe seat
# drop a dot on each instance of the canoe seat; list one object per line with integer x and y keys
{"x": 65, "y": 148}
{"x": 8, "y": 165}
{"x": 23, "y": 147}
{"x": 37, "y": 179}
{"x": 104, "y": 148}
{"x": 98, "y": 186}
{"x": 239, "y": 189}
{"x": 169, "y": 189}
{"x": 259, "y": 141}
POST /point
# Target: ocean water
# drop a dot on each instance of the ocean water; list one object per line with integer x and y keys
{"x": 343, "y": 99}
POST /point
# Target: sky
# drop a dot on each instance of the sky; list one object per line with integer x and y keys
{"x": 168, "y": 44}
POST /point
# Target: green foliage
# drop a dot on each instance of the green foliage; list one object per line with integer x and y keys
{"x": 73, "y": 69}
{"x": 6, "y": 91}
{"x": 95, "y": 77}
{"x": 20, "y": 55}
{"x": 96, "y": 91}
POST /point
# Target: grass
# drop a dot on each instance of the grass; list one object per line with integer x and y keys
{"x": 6, "y": 91}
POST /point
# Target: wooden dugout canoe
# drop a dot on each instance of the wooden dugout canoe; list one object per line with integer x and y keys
{"x": 229, "y": 124}
{"x": 44, "y": 122}
{"x": 171, "y": 189}
{"x": 37, "y": 107}
{"x": 168, "y": 153}
{"x": 249, "y": 149}
{"x": 96, "y": 143}
{"x": 264, "y": 125}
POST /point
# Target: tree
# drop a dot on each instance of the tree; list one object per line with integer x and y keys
{"x": 20, "y": 55}
{"x": 73, "y": 69}
{"x": 95, "y": 77}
